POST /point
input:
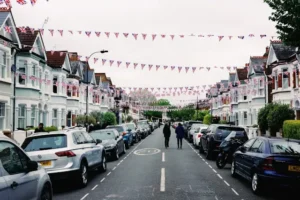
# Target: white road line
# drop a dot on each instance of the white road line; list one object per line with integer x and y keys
{"x": 84, "y": 196}
{"x": 235, "y": 192}
{"x": 206, "y": 163}
{"x": 163, "y": 157}
{"x": 226, "y": 183}
{"x": 220, "y": 176}
{"x": 108, "y": 174}
{"x": 118, "y": 164}
{"x": 210, "y": 166}
{"x": 214, "y": 170}
{"x": 94, "y": 187}
{"x": 102, "y": 180}
{"x": 114, "y": 168}
{"x": 162, "y": 180}
{"x": 203, "y": 159}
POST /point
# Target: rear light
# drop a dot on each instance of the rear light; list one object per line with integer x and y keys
{"x": 199, "y": 135}
{"x": 124, "y": 133}
{"x": 65, "y": 153}
{"x": 268, "y": 164}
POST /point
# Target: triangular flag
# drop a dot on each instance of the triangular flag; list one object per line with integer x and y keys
{"x": 135, "y": 65}
{"x": 42, "y": 31}
{"x": 95, "y": 60}
{"x": 172, "y": 36}
{"x": 172, "y": 68}
{"x": 187, "y": 69}
{"x": 61, "y": 32}
{"x": 179, "y": 69}
{"x": 153, "y": 37}
{"x": 220, "y": 37}
{"x": 126, "y": 34}
{"x": 98, "y": 33}
{"x": 165, "y": 67}
{"x": 88, "y": 33}
{"x": 150, "y": 67}
{"x": 135, "y": 35}
{"x": 117, "y": 35}
{"x": 61, "y": 53}
{"x": 103, "y": 61}
{"x": 79, "y": 32}
{"x": 144, "y": 35}
{"x": 163, "y": 36}
{"x": 119, "y": 63}
{"x": 127, "y": 64}
{"x": 111, "y": 62}
{"x": 230, "y": 37}
{"x": 51, "y": 31}
{"x": 107, "y": 34}
{"x": 143, "y": 65}
{"x": 157, "y": 67}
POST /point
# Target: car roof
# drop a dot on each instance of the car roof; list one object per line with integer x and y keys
{"x": 66, "y": 132}
{"x": 102, "y": 130}
{"x": 278, "y": 138}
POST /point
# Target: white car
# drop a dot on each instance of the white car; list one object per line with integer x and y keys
{"x": 20, "y": 177}
{"x": 197, "y": 135}
{"x": 67, "y": 154}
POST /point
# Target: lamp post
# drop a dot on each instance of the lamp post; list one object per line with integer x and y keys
{"x": 87, "y": 84}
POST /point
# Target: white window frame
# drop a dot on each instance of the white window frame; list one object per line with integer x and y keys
{"x": 2, "y": 115}
{"x": 34, "y": 74}
{"x": 33, "y": 115}
{"x": 22, "y": 117}
{"x": 276, "y": 80}
{"x": 285, "y": 81}
{"x": 3, "y": 66}
{"x": 54, "y": 117}
{"x": 245, "y": 117}
{"x": 63, "y": 116}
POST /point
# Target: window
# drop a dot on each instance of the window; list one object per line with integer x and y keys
{"x": 3, "y": 64}
{"x": 245, "y": 97}
{"x": 249, "y": 143}
{"x": 22, "y": 116}
{"x": 69, "y": 90}
{"x": 284, "y": 147}
{"x": 257, "y": 147}
{"x": 236, "y": 96}
{"x": 40, "y": 79}
{"x": 88, "y": 137}
{"x": 63, "y": 88}
{"x": 12, "y": 158}
{"x": 46, "y": 82}
{"x": 245, "y": 118}
{"x": 54, "y": 117}
{"x": 285, "y": 78}
{"x": 63, "y": 117}
{"x": 33, "y": 115}
{"x": 41, "y": 143}
{"x": 79, "y": 138}
{"x": 33, "y": 74}
{"x": 236, "y": 119}
{"x": 261, "y": 92}
{"x": 276, "y": 80}
{"x": 22, "y": 75}
{"x": 55, "y": 85}
{"x": 2, "y": 115}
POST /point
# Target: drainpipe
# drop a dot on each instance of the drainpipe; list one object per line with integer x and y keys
{"x": 14, "y": 70}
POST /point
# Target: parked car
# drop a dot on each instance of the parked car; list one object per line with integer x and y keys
{"x": 213, "y": 136}
{"x": 111, "y": 140}
{"x": 198, "y": 134}
{"x": 144, "y": 124}
{"x": 20, "y": 177}
{"x": 187, "y": 126}
{"x": 267, "y": 161}
{"x": 143, "y": 131}
{"x": 194, "y": 128}
{"x": 131, "y": 127}
{"x": 127, "y": 135}
{"x": 67, "y": 154}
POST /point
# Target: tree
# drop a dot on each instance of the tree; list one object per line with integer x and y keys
{"x": 98, "y": 116}
{"x": 129, "y": 118}
{"x": 157, "y": 114}
{"x": 207, "y": 119}
{"x": 287, "y": 16}
{"x": 201, "y": 115}
{"x": 109, "y": 118}
{"x": 81, "y": 120}
{"x": 262, "y": 117}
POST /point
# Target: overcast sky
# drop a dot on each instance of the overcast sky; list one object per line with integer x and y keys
{"x": 218, "y": 17}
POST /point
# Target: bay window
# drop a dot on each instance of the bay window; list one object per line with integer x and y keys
{"x": 22, "y": 116}
{"x": 3, "y": 71}
{"x": 33, "y": 74}
{"x": 285, "y": 78}
{"x": 245, "y": 118}
{"x": 54, "y": 117}
{"x": 2, "y": 115}
{"x": 33, "y": 115}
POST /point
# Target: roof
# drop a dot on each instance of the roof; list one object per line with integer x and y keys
{"x": 282, "y": 51}
{"x": 56, "y": 60}
{"x": 242, "y": 73}
{"x": 27, "y": 38}
{"x": 258, "y": 63}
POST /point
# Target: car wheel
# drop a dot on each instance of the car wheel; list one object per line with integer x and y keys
{"x": 46, "y": 193}
{"x": 256, "y": 184}
{"x": 103, "y": 166}
{"x": 208, "y": 154}
{"x": 201, "y": 150}
{"x": 117, "y": 153}
{"x": 127, "y": 145}
{"x": 233, "y": 172}
{"x": 83, "y": 174}
{"x": 124, "y": 148}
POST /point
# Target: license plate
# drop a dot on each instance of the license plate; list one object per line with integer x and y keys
{"x": 45, "y": 163}
{"x": 294, "y": 168}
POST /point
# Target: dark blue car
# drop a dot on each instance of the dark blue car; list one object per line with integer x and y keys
{"x": 127, "y": 135}
{"x": 266, "y": 160}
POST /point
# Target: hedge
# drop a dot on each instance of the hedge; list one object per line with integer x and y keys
{"x": 291, "y": 129}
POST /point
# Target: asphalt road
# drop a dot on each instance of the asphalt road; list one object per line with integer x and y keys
{"x": 149, "y": 171}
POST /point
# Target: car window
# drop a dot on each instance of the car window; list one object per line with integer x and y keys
{"x": 13, "y": 160}
{"x": 249, "y": 143}
{"x": 225, "y": 131}
{"x": 118, "y": 128}
{"x": 79, "y": 138}
{"x": 257, "y": 146}
{"x": 103, "y": 135}
{"x": 88, "y": 138}
{"x": 45, "y": 142}
{"x": 285, "y": 147}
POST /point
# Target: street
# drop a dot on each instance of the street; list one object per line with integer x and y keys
{"x": 149, "y": 171}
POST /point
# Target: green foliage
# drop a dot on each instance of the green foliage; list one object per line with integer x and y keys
{"x": 201, "y": 115}
{"x": 161, "y": 102}
{"x": 207, "y": 119}
{"x": 286, "y": 13}
{"x": 129, "y": 118}
{"x": 81, "y": 120}
{"x": 223, "y": 122}
{"x": 50, "y": 128}
{"x": 262, "y": 117}
{"x": 97, "y": 115}
{"x": 278, "y": 115}
{"x": 291, "y": 129}
{"x": 109, "y": 118}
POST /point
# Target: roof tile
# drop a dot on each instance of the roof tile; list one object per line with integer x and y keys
{"x": 55, "y": 60}
{"x": 242, "y": 73}
{"x": 27, "y": 38}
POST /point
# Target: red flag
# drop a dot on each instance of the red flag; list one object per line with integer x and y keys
{"x": 135, "y": 35}
{"x": 61, "y": 32}
{"x": 7, "y": 29}
{"x": 135, "y": 65}
{"x": 172, "y": 68}
{"x": 157, "y": 67}
{"x": 107, "y": 34}
{"x": 95, "y": 60}
{"x": 119, "y": 63}
{"x": 165, "y": 67}
{"x": 88, "y": 33}
{"x": 97, "y": 34}
{"x": 163, "y": 36}
{"x": 127, "y": 64}
{"x": 117, "y": 35}
{"x": 187, "y": 69}
{"x": 150, "y": 66}
{"x": 144, "y": 35}
{"x": 126, "y": 34}
{"x": 103, "y": 61}
{"x": 182, "y": 36}
{"x": 51, "y": 31}
{"x": 21, "y": 2}
{"x": 22, "y": 29}
{"x": 32, "y": 30}
{"x": 220, "y": 37}
{"x": 8, "y": 4}
{"x": 172, "y": 36}
{"x": 179, "y": 69}
{"x": 153, "y": 36}
{"x": 143, "y": 65}
{"x": 111, "y": 62}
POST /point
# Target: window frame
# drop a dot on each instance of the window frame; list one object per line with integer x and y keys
{"x": 54, "y": 118}
{"x": 2, "y": 115}
{"x": 20, "y": 117}
{"x": 33, "y": 115}
{"x": 3, "y": 71}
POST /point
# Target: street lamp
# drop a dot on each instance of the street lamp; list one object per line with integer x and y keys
{"x": 87, "y": 83}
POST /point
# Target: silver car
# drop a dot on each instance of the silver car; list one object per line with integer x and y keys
{"x": 66, "y": 154}
{"x": 20, "y": 177}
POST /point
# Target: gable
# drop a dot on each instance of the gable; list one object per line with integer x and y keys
{"x": 93, "y": 80}
{"x": 39, "y": 47}
{"x": 271, "y": 56}
{"x": 66, "y": 64}
{"x": 7, "y": 20}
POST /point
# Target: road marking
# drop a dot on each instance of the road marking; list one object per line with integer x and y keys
{"x": 118, "y": 164}
{"x": 206, "y": 163}
{"x": 163, "y": 156}
{"x": 84, "y": 196}
{"x": 210, "y": 166}
{"x": 226, "y": 183}
{"x": 219, "y": 176}
{"x": 114, "y": 168}
{"x": 216, "y": 198}
{"x": 203, "y": 159}
{"x": 108, "y": 173}
{"x": 235, "y": 192}
{"x": 162, "y": 180}
{"x": 214, "y": 170}
{"x": 94, "y": 187}
{"x": 102, "y": 180}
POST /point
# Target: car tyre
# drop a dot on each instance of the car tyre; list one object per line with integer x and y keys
{"x": 127, "y": 145}
{"x": 103, "y": 166}
{"x": 256, "y": 184}
{"x": 46, "y": 193}
{"x": 208, "y": 154}
{"x": 124, "y": 149}
{"x": 201, "y": 150}
{"x": 83, "y": 174}
{"x": 116, "y": 157}
{"x": 233, "y": 169}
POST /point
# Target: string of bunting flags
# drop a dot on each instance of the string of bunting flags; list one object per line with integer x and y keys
{"x": 135, "y": 36}
{"x": 157, "y": 108}
{"x": 21, "y": 2}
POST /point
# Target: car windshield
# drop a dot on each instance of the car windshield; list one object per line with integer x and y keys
{"x": 130, "y": 126}
{"x": 284, "y": 147}
{"x": 45, "y": 142}
{"x": 235, "y": 134}
{"x": 142, "y": 123}
{"x": 225, "y": 131}
{"x": 118, "y": 128}
{"x": 197, "y": 126}
{"x": 103, "y": 135}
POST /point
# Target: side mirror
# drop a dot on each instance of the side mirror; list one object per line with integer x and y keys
{"x": 98, "y": 141}
{"x": 116, "y": 138}
{"x": 129, "y": 130}
{"x": 203, "y": 131}
{"x": 32, "y": 166}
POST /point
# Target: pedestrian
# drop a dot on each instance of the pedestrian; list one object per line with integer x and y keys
{"x": 40, "y": 128}
{"x": 167, "y": 134}
{"x": 179, "y": 135}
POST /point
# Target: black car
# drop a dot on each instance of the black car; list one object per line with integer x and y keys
{"x": 111, "y": 140}
{"x": 214, "y": 135}
{"x": 135, "y": 132}
{"x": 143, "y": 131}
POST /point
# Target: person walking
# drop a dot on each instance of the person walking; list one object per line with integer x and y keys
{"x": 167, "y": 134}
{"x": 40, "y": 128}
{"x": 179, "y": 135}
